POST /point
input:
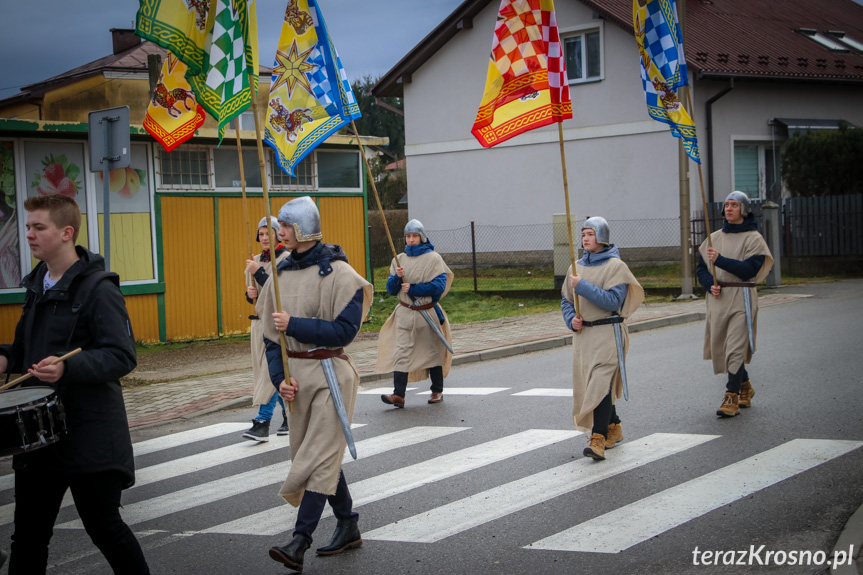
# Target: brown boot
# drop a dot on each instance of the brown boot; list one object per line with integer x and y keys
{"x": 393, "y": 399}
{"x": 436, "y": 397}
{"x": 615, "y": 435}
{"x": 729, "y": 407}
{"x": 747, "y": 392}
{"x": 596, "y": 448}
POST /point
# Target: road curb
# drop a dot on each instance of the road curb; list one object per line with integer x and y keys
{"x": 544, "y": 344}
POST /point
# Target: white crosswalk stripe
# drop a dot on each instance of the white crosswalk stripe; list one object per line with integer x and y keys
{"x": 458, "y": 516}
{"x": 260, "y": 477}
{"x": 275, "y": 521}
{"x": 163, "y": 443}
{"x": 641, "y": 520}
{"x": 544, "y": 392}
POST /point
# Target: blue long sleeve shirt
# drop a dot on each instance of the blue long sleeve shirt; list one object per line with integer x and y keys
{"x": 610, "y": 300}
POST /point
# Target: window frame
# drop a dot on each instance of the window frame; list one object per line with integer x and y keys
{"x": 360, "y": 173}
{"x": 211, "y": 177}
{"x": 273, "y": 169}
{"x": 583, "y": 30}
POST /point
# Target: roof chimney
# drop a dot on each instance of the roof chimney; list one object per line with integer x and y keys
{"x": 124, "y": 39}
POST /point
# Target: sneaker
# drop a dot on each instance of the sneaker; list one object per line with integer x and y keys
{"x": 436, "y": 397}
{"x": 596, "y": 448}
{"x": 729, "y": 407}
{"x": 615, "y": 435}
{"x": 746, "y": 394}
{"x": 260, "y": 431}
{"x": 283, "y": 430}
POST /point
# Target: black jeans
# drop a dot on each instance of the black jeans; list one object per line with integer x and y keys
{"x": 603, "y": 415}
{"x": 312, "y": 507}
{"x": 38, "y": 495}
{"x": 400, "y": 381}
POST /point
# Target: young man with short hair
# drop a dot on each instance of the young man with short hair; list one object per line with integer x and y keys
{"x": 71, "y": 302}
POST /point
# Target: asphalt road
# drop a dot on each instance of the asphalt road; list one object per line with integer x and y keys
{"x": 493, "y": 481}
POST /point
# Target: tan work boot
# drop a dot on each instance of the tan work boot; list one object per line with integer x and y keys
{"x": 596, "y": 448}
{"x": 729, "y": 407}
{"x": 615, "y": 435}
{"x": 747, "y": 392}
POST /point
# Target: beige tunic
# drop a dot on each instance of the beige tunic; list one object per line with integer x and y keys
{"x": 594, "y": 351}
{"x": 317, "y": 442}
{"x": 263, "y": 388}
{"x": 406, "y": 341}
{"x": 726, "y": 336}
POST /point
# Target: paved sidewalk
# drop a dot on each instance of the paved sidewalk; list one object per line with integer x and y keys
{"x": 478, "y": 341}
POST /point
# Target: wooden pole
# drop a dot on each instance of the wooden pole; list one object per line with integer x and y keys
{"x": 18, "y": 380}
{"x": 568, "y": 216}
{"x": 243, "y": 182}
{"x": 703, "y": 196}
{"x": 283, "y": 343}
{"x": 375, "y": 190}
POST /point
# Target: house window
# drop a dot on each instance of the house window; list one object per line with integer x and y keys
{"x": 845, "y": 39}
{"x": 813, "y": 35}
{"x": 583, "y": 52}
{"x": 10, "y": 243}
{"x": 226, "y": 165}
{"x": 305, "y": 170}
{"x": 339, "y": 170}
{"x": 756, "y": 169}
{"x": 185, "y": 169}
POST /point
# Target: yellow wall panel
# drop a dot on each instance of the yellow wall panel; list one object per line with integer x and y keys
{"x": 131, "y": 245}
{"x": 189, "y": 254}
{"x": 144, "y": 315}
{"x": 9, "y": 316}
{"x": 343, "y": 223}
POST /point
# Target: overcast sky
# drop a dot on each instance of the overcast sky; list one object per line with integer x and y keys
{"x": 40, "y": 39}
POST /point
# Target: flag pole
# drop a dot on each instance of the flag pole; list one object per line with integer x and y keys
{"x": 283, "y": 343}
{"x": 703, "y": 198}
{"x": 243, "y": 181}
{"x": 375, "y": 190}
{"x": 568, "y": 217}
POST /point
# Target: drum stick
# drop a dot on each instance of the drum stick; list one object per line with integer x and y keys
{"x": 18, "y": 380}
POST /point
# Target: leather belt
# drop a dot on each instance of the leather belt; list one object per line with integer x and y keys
{"x": 736, "y": 284}
{"x": 418, "y": 307}
{"x": 604, "y": 321}
{"x": 254, "y": 317}
{"x": 339, "y": 352}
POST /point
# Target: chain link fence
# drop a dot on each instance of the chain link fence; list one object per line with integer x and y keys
{"x": 536, "y": 257}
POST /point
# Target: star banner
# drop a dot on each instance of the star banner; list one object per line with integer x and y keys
{"x": 310, "y": 96}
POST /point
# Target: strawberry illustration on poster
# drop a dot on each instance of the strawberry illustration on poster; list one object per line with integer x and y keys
{"x": 55, "y": 168}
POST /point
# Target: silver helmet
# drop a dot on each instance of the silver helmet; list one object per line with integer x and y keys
{"x": 599, "y": 227}
{"x": 263, "y": 223}
{"x": 416, "y": 227}
{"x": 741, "y": 199}
{"x": 302, "y": 215}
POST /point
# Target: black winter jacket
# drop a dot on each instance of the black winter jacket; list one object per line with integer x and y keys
{"x": 58, "y": 321}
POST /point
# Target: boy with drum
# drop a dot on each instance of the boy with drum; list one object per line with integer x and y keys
{"x": 70, "y": 302}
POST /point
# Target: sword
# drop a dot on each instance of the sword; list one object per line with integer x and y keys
{"x": 435, "y": 326}
{"x": 621, "y": 362}
{"x": 336, "y": 394}
{"x": 747, "y": 303}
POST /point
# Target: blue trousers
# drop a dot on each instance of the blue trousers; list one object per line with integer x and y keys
{"x": 265, "y": 412}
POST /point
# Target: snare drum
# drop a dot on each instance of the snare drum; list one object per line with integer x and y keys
{"x": 30, "y": 418}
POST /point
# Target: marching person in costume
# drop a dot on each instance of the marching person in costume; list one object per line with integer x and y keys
{"x": 415, "y": 341}
{"x": 608, "y": 293}
{"x": 263, "y": 395}
{"x": 323, "y": 304}
{"x": 741, "y": 259}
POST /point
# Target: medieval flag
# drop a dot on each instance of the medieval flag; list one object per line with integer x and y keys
{"x": 224, "y": 86}
{"x": 310, "y": 96}
{"x": 218, "y": 42}
{"x": 173, "y": 114}
{"x": 180, "y": 27}
{"x": 663, "y": 68}
{"x": 526, "y": 85}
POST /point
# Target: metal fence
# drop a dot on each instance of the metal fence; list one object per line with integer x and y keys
{"x": 535, "y": 257}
